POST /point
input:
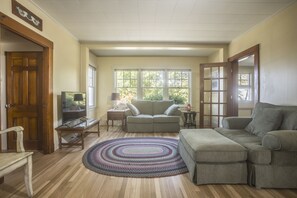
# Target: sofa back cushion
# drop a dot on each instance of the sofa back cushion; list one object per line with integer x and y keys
{"x": 290, "y": 118}
{"x": 289, "y": 121}
{"x": 159, "y": 107}
{"x": 268, "y": 119}
{"x": 144, "y": 106}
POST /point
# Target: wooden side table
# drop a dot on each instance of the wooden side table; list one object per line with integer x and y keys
{"x": 80, "y": 126}
{"x": 114, "y": 114}
{"x": 190, "y": 119}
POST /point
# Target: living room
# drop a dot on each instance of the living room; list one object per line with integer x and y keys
{"x": 71, "y": 56}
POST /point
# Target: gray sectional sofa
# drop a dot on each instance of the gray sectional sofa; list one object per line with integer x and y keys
{"x": 153, "y": 116}
{"x": 269, "y": 139}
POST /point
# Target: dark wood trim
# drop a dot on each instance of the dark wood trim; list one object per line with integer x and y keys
{"x": 255, "y": 50}
{"x": 47, "y": 77}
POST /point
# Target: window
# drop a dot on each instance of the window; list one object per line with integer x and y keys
{"x": 245, "y": 87}
{"x": 154, "y": 85}
{"x": 126, "y": 83}
{"x": 92, "y": 86}
{"x": 179, "y": 86}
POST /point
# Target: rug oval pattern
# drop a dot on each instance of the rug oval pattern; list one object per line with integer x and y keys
{"x": 135, "y": 157}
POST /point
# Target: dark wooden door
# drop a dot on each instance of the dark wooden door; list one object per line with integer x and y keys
{"x": 216, "y": 93}
{"x": 23, "y": 97}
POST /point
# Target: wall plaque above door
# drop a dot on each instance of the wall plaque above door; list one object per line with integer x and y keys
{"x": 26, "y": 15}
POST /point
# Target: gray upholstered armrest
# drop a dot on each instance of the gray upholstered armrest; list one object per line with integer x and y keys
{"x": 235, "y": 122}
{"x": 285, "y": 140}
{"x": 128, "y": 112}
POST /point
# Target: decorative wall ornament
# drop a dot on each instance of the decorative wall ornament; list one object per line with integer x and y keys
{"x": 26, "y": 15}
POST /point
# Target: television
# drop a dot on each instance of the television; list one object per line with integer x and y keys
{"x": 73, "y": 105}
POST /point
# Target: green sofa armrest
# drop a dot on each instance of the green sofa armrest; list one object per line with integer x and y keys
{"x": 235, "y": 122}
{"x": 282, "y": 140}
{"x": 128, "y": 112}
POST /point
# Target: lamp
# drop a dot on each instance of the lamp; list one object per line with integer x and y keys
{"x": 77, "y": 98}
{"x": 115, "y": 97}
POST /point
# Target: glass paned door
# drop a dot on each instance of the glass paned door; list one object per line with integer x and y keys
{"x": 215, "y": 94}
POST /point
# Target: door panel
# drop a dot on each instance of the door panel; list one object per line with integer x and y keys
{"x": 22, "y": 92}
{"x": 215, "y": 94}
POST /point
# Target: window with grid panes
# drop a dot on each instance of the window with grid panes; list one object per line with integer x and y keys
{"x": 152, "y": 85}
{"x": 91, "y": 86}
{"x": 126, "y": 83}
{"x": 179, "y": 86}
{"x": 245, "y": 87}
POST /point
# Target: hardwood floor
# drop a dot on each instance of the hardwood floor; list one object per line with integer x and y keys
{"x": 62, "y": 174}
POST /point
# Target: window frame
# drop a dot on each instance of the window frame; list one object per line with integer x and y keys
{"x": 165, "y": 87}
{"x": 93, "y": 85}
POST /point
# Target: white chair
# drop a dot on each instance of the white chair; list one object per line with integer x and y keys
{"x": 11, "y": 161}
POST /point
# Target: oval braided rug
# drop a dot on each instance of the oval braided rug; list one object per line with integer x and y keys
{"x": 135, "y": 157}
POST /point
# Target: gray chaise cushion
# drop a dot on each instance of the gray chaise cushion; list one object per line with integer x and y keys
{"x": 285, "y": 140}
{"x": 206, "y": 145}
{"x": 159, "y": 107}
{"x": 140, "y": 119}
{"x": 257, "y": 153}
{"x": 264, "y": 121}
{"x": 165, "y": 119}
{"x": 133, "y": 109}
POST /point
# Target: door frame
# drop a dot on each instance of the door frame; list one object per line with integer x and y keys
{"x": 255, "y": 50}
{"x": 46, "y": 74}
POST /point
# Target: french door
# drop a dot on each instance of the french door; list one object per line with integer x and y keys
{"x": 216, "y": 93}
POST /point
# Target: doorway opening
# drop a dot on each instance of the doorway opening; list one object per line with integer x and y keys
{"x": 45, "y": 112}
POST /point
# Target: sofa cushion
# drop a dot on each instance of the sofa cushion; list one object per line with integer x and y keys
{"x": 264, "y": 121}
{"x": 159, "y": 107}
{"x": 144, "y": 106}
{"x": 165, "y": 119}
{"x": 289, "y": 120}
{"x": 171, "y": 110}
{"x": 140, "y": 119}
{"x": 257, "y": 153}
{"x": 206, "y": 145}
{"x": 133, "y": 109}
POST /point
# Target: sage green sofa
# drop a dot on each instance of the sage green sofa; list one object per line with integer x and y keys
{"x": 153, "y": 116}
{"x": 268, "y": 138}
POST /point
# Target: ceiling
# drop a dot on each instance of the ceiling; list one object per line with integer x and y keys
{"x": 178, "y": 21}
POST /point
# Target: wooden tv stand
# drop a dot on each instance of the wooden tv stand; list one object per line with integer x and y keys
{"x": 80, "y": 126}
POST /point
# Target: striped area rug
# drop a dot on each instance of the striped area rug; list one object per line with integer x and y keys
{"x": 135, "y": 157}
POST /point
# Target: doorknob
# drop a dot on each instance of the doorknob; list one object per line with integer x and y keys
{"x": 7, "y": 106}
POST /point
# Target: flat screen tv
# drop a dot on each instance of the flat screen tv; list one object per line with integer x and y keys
{"x": 73, "y": 105}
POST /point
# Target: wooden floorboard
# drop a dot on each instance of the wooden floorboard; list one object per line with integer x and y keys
{"x": 62, "y": 174}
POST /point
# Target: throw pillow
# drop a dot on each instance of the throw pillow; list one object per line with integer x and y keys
{"x": 171, "y": 110}
{"x": 264, "y": 121}
{"x": 133, "y": 109}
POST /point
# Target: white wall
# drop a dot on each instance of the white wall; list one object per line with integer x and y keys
{"x": 278, "y": 57}
{"x": 66, "y": 54}
{"x": 106, "y": 66}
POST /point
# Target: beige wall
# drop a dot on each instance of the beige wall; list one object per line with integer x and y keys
{"x": 66, "y": 55}
{"x": 106, "y": 66}
{"x": 278, "y": 57}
